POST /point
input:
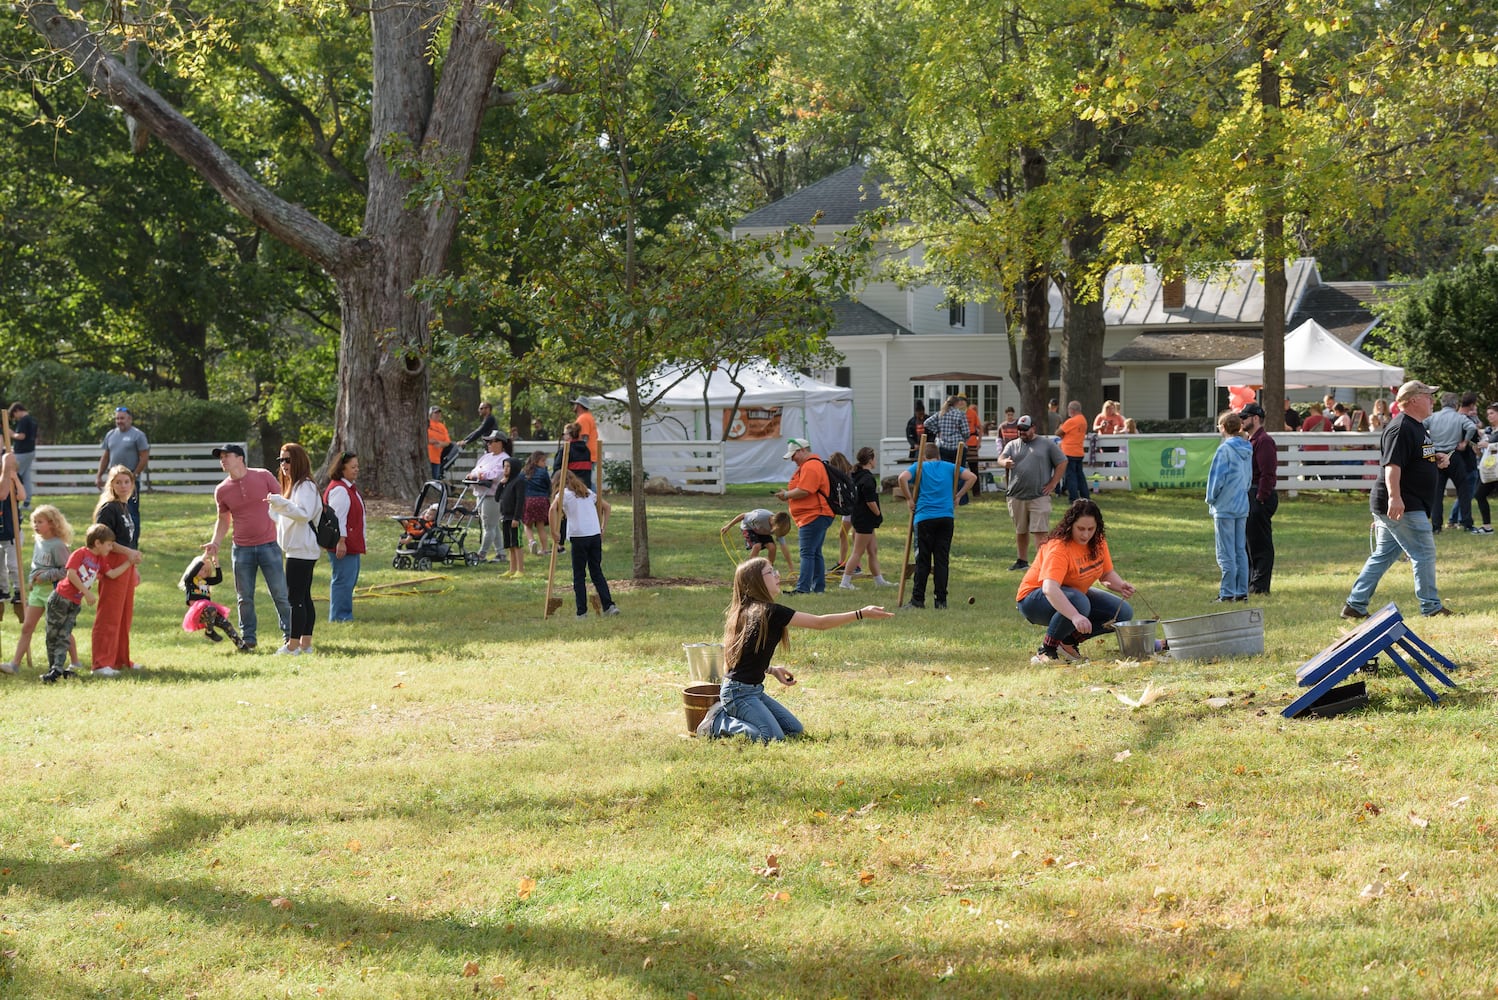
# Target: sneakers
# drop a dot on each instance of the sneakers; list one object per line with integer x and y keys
{"x": 1020, "y": 564}
{"x": 7, "y": 667}
{"x": 1352, "y": 614}
{"x": 612, "y": 609}
{"x": 913, "y": 606}
{"x": 1482, "y": 529}
{"x": 1070, "y": 653}
{"x": 582, "y": 614}
{"x": 838, "y": 568}
{"x": 940, "y": 605}
{"x": 288, "y": 651}
{"x": 104, "y": 672}
{"x": 846, "y": 585}
{"x": 1442, "y": 612}
{"x": 1045, "y": 656}
{"x": 880, "y": 581}
{"x": 305, "y": 652}
{"x": 137, "y": 666}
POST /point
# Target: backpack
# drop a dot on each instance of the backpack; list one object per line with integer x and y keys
{"x": 842, "y": 497}
{"x": 326, "y": 529}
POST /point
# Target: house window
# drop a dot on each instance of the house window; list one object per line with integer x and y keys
{"x": 989, "y": 408}
{"x": 1189, "y": 397}
{"x": 843, "y": 377}
{"x": 956, "y": 312}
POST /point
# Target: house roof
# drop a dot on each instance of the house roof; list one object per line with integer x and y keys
{"x": 841, "y": 198}
{"x": 854, "y": 319}
{"x": 1341, "y": 307}
{"x": 1189, "y": 346}
{"x": 956, "y": 377}
{"x": 1132, "y": 295}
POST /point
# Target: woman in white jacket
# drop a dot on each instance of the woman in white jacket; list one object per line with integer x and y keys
{"x": 296, "y": 509}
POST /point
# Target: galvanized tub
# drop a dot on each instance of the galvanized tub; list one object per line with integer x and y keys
{"x": 1136, "y": 639}
{"x": 704, "y": 661}
{"x": 1226, "y": 633}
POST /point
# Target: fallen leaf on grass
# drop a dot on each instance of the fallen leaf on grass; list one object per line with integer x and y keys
{"x": 865, "y": 809}
{"x": 283, "y": 904}
{"x": 470, "y": 969}
{"x": 865, "y": 878}
{"x": 1150, "y": 695}
{"x": 1122, "y": 756}
{"x": 1419, "y": 821}
{"x": 1459, "y": 803}
{"x": 780, "y": 897}
{"x": 527, "y": 886}
{"x": 354, "y": 847}
{"x": 1196, "y": 804}
{"x": 1373, "y": 890}
{"x": 1219, "y": 702}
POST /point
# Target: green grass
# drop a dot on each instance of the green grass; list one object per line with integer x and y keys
{"x": 958, "y": 823}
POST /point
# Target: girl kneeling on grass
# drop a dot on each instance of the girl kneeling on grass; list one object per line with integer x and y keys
{"x": 752, "y": 627}
{"x": 1058, "y": 590}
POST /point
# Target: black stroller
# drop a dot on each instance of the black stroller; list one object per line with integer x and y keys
{"x": 436, "y": 531}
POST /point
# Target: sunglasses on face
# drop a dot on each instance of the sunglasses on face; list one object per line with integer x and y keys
{"x": 284, "y": 460}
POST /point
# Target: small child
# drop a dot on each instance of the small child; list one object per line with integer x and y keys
{"x": 762, "y": 529}
{"x": 51, "y": 536}
{"x": 76, "y": 587}
{"x": 203, "y": 615}
{"x": 511, "y": 512}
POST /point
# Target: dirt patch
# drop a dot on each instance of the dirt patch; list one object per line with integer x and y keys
{"x": 652, "y": 582}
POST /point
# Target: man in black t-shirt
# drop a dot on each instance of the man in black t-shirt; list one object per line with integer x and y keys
{"x": 1404, "y": 499}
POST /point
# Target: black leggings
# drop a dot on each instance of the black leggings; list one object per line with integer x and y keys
{"x": 299, "y": 593}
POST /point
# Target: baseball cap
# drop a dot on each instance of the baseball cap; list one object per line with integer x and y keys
{"x": 495, "y": 435}
{"x": 580, "y": 401}
{"x": 794, "y": 445}
{"x": 1024, "y": 423}
{"x": 1253, "y": 410}
{"x": 1415, "y": 387}
{"x": 232, "y": 449}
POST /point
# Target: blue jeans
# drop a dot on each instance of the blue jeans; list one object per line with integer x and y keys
{"x": 1232, "y": 555}
{"x": 341, "y": 589}
{"x": 1411, "y": 535}
{"x": 1075, "y": 479}
{"x": 1100, "y": 607}
{"x": 812, "y": 576}
{"x": 266, "y": 559}
{"x": 766, "y": 718}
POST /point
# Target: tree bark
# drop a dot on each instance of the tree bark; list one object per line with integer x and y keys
{"x": 420, "y": 132}
{"x": 1273, "y": 394}
{"x": 1035, "y": 292}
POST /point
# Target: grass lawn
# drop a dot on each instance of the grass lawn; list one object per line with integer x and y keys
{"x": 457, "y": 798}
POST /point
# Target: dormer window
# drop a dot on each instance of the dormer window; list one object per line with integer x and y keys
{"x": 956, "y": 312}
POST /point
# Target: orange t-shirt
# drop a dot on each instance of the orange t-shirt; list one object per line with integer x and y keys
{"x": 437, "y": 439}
{"x": 590, "y": 433}
{"x": 1072, "y": 431}
{"x": 1068, "y": 563}
{"x": 974, "y": 427}
{"x": 810, "y": 475}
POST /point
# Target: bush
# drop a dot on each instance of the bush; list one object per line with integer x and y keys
{"x": 616, "y": 476}
{"x": 1191, "y": 425}
{"x": 64, "y": 400}
{"x": 171, "y": 415}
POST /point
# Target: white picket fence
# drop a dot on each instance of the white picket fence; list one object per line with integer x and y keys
{"x": 1348, "y": 461}
{"x": 174, "y": 468}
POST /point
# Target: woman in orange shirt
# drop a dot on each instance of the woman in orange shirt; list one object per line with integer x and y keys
{"x": 1059, "y": 590}
{"x": 438, "y": 440}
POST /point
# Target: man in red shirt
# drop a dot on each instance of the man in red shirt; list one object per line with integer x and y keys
{"x": 241, "y": 504}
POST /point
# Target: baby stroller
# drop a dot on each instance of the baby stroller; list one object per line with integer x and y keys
{"x": 436, "y": 531}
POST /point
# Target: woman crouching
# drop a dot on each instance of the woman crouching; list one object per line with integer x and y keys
{"x": 752, "y": 627}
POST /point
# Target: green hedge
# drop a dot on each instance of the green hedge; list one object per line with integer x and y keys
{"x": 76, "y": 406}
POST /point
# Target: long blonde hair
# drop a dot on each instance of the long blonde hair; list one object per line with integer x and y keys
{"x": 108, "y": 495}
{"x": 747, "y": 610}
{"x": 60, "y": 526}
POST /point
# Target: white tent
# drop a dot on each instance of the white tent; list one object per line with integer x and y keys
{"x": 1315, "y": 357}
{"x": 776, "y": 405}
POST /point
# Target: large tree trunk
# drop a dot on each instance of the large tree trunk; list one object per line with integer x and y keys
{"x": 1035, "y": 292}
{"x": 385, "y": 342}
{"x": 1082, "y": 349}
{"x": 1272, "y": 398}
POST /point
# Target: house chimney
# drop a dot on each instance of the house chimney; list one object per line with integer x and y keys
{"x": 1173, "y": 294}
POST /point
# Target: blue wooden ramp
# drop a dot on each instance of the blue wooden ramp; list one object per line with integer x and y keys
{"x": 1383, "y": 632}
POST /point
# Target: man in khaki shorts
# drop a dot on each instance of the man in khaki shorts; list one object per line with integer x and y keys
{"x": 1035, "y": 466}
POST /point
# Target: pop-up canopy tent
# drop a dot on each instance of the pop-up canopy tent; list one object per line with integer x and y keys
{"x": 776, "y": 405}
{"x": 1315, "y": 357}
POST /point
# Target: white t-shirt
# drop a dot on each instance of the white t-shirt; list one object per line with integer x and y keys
{"x": 582, "y": 514}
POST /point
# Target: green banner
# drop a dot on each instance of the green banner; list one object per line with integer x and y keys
{"x": 1165, "y": 463}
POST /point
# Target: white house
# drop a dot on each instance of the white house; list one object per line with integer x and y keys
{"x": 901, "y": 344}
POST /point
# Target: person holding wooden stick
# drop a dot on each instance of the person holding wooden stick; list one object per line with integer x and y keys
{"x": 933, "y": 508}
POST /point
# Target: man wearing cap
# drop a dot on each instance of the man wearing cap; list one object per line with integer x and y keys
{"x": 1404, "y": 499}
{"x": 487, "y": 424}
{"x": 590, "y": 430}
{"x": 438, "y": 440}
{"x": 126, "y": 445}
{"x": 241, "y": 501}
{"x": 1035, "y": 466}
{"x": 805, "y": 497}
{"x": 1263, "y": 501}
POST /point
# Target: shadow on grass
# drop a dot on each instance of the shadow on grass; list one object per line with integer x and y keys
{"x": 699, "y": 959}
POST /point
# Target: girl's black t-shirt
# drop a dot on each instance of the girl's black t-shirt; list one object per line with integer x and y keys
{"x": 756, "y": 656}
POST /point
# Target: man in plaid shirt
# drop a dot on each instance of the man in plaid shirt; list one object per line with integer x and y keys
{"x": 949, "y": 427}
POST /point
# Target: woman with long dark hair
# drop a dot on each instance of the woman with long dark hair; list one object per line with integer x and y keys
{"x": 343, "y": 497}
{"x": 753, "y": 626}
{"x": 296, "y": 509}
{"x": 1058, "y": 589}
